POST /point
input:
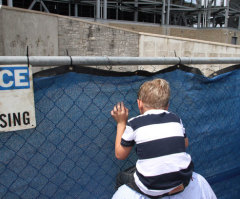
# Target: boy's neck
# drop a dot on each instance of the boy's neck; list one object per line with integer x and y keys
{"x": 145, "y": 109}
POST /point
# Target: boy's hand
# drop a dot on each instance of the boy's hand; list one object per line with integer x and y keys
{"x": 120, "y": 113}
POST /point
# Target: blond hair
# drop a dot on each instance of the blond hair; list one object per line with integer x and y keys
{"x": 155, "y": 94}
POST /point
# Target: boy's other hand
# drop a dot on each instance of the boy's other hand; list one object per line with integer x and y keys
{"x": 120, "y": 113}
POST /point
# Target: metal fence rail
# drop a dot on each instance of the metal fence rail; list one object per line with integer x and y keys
{"x": 104, "y": 60}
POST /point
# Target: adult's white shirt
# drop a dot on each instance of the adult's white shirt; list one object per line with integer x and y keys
{"x": 198, "y": 188}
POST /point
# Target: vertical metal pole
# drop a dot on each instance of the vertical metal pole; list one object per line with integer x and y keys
{"x": 209, "y": 13}
{"x": 69, "y": 9}
{"x": 98, "y": 9}
{"x": 121, "y": 12}
{"x": 222, "y": 3}
{"x": 10, "y": 3}
{"x": 214, "y": 17}
{"x": 238, "y": 22}
{"x": 117, "y": 10}
{"x": 168, "y": 12}
{"x": 101, "y": 10}
{"x": 199, "y": 13}
{"x": 154, "y": 17}
{"x": 204, "y": 13}
{"x": 214, "y": 21}
{"x": 41, "y": 7}
{"x": 105, "y": 9}
{"x": 76, "y": 9}
{"x": 163, "y": 12}
{"x": 226, "y": 13}
{"x": 136, "y": 10}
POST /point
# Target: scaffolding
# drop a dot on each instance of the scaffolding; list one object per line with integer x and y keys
{"x": 191, "y": 13}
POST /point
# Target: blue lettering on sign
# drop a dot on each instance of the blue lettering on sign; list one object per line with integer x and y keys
{"x": 12, "y": 78}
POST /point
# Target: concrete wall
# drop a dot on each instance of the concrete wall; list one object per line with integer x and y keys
{"x": 221, "y": 35}
{"x": 21, "y": 29}
{"x": 1, "y": 35}
{"x": 167, "y": 46}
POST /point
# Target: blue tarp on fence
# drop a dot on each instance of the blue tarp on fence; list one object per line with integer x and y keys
{"x": 70, "y": 154}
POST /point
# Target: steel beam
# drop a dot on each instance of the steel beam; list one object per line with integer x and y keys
{"x": 41, "y": 2}
{"x": 136, "y": 10}
{"x": 44, "y": 6}
{"x": 199, "y": 13}
{"x": 69, "y": 9}
{"x": 168, "y": 11}
{"x": 105, "y": 9}
{"x": 10, "y": 3}
{"x": 76, "y": 10}
{"x": 117, "y": 10}
{"x": 98, "y": 7}
{"x": 163, "y": 12}
{"x": 226, "y": 14}
{"x": 238, "y": 22}
{"x": 32, "y": 4}
{"x": 209, "y": 13}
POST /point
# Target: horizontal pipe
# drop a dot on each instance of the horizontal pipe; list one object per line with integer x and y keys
{"x": 91, "y": 60}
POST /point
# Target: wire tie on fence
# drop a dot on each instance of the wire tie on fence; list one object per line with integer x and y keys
{"x": 71, "y": 64}
{"x": 179, "y": 62}
{"x": 175, "y": 53}
{"x": 109, "y": 62}
{"x": 28, "y": 58}
{"x": 108, "y": 66}
{"x": 178, "y": 65}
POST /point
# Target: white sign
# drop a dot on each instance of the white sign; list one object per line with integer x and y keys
{"x": 17, "y": 110}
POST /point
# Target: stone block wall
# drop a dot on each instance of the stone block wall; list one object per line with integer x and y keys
{"x": 83, "y": 38}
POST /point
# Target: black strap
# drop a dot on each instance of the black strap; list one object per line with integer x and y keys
{"x": 27, "y": 58}
{"x": 69, "y": 57}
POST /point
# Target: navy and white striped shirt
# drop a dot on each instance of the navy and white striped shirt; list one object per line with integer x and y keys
{"x": 163, "y": 163}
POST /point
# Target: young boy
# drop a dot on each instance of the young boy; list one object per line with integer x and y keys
{"x": 163, "y": 166}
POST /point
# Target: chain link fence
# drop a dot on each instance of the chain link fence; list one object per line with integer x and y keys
{"x": 70, "y": 154}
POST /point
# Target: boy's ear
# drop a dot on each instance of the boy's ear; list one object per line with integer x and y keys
{"x": 139, "y": 102}
{"x": 167, "y": 107}
{"x": 140, "y": 105}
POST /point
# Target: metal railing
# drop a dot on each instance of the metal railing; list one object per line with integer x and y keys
{"x": 104, "y": 60}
